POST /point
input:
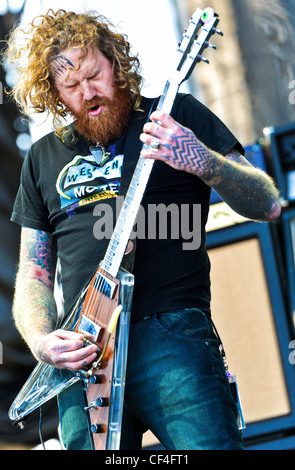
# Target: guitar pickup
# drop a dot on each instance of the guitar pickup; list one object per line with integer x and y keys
{"x": 105, "y": 285}
{"x": 87, "y": 326}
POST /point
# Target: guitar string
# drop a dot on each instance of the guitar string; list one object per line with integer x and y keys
{"x": 95, "y": 294}
{"x": 98, "y": 287}
{"x": 98, "y": 298}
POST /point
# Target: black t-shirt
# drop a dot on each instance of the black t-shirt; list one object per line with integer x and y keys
{"x": 61, "y": 183}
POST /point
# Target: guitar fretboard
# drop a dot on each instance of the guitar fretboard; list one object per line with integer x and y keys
{"x": 127, "y": 217}
{"x": 189, "y": 51}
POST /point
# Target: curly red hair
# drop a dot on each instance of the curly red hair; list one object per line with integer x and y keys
{"x": 48, "y": 35}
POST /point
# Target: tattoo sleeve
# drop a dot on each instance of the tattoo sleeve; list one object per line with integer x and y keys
{"x": 248, "y": 190}
{"x": 34, "y": 307}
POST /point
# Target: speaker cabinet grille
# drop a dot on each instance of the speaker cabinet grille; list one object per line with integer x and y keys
{"x": 242, "y": 313}
{"x": 251, "y": 315}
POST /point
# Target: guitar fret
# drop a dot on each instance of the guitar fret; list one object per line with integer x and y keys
{"x": 132, "y": 190}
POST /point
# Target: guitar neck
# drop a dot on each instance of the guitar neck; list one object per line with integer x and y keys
{"x": 127, "y": 216}
{"x": 195, "y": 39}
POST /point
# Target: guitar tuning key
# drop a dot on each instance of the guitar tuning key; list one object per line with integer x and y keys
{"x": 217, "y": 31}
{"x": 211, "y": 46}
{"x": 203, "y": 59}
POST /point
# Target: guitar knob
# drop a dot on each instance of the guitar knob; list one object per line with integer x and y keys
{"x": 100, "y": 402}
{"x": 92, "y": 406}
{"x": 95, "y": 379}
{"x": 97, "y": 428}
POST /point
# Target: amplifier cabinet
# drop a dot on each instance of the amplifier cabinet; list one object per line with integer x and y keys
{"x": 288, "y": 237}
{"x": 249, "y": 312}
{"x": 280, "y": 158}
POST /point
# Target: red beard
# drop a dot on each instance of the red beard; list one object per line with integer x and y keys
{"x": 110, "y": 124}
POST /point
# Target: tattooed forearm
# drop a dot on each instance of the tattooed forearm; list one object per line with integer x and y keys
{"x": 34, "y": 310}
{"x": 248, "y": 190}
{"x": 34, "y": 307}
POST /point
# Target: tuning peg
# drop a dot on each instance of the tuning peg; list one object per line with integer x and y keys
{"x": 212, "y": 46}
{"x": 217, "y": 31}
{"x": 203, "y": 59}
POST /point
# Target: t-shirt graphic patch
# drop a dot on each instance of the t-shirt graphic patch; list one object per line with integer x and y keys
{"x": 83, "y": 181}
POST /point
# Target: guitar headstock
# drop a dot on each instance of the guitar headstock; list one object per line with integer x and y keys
{"x": 196, "y": 38}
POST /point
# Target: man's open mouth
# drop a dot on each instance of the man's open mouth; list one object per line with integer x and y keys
{"x": 95, "y": 110}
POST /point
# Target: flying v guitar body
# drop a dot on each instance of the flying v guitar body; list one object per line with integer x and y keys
{"x": 104, "y": 385}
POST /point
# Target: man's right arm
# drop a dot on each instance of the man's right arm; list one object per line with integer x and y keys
{"x": 34, "y": 307}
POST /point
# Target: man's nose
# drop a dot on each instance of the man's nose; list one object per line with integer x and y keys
{"x": 88, "y": 90}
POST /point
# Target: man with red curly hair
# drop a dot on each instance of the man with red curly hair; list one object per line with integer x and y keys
{"x": 74, "y": 64}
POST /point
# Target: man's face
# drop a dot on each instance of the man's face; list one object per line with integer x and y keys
{"x": 90, "y": 93}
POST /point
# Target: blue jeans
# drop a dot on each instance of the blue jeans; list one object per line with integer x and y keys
{"x": 176, "y": 386}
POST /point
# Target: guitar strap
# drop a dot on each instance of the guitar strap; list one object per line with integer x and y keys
{"x": 132, "y": 147}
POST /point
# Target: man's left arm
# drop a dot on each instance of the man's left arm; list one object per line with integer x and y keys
{"x": 249, "y": 191}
